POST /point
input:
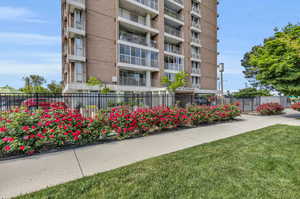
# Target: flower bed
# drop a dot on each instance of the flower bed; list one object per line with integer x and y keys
{"x": 25, "y": 132}
{"x": 270, "y": 109}
{"x": 296, "y": 106}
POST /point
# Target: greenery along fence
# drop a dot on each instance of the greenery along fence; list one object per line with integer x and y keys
{"x": 88, "y": 104}
{"x": 27, "y": 132}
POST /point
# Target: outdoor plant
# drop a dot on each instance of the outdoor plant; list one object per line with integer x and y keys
{"x": 296, "y": 106}
{"x": 28, "y": 132}
{"x": 270, "y": 109}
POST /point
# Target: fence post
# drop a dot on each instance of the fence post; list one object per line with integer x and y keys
{"x": 37, "y": 100}
{"x": 243, "y": 104}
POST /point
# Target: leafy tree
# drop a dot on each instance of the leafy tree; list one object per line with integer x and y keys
{"x": 34, "y": 84}
{"x": 179, "y": 81}
{"x": 251, "y": 92}
{"x": 54, "y": 87}
{"x": 276, "y": 63}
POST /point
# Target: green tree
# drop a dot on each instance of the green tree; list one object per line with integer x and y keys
{"x": 93, "y": 81}
{"x": 179, "y": 81}
{"x": 34, "y": 84}
{"x": 251, "y": 92}
{"x": 54, "y": 87}
{"x": 276, "y": 63}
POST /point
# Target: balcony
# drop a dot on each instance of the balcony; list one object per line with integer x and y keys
{"x": 196, "y": 57}
{"x": 148, "y": 6}
{"x": 176, "y": 3}
{"x": 174, "y": 16}
{"x": 135, "y": 22}
{"x": 196, "y": 42}
{"x": 196, "y": 71}
{"x": 172, "y": 49}
{"x": 173, "y": 33}
{"x": 196, "y": 11}
{"x": 196, "y": 26}
{"x": 130, "y": 81}
{"x": 80, "y": 4}
{"x": 131, "y": 57}
{"x": 136, "y": 39}
{"x": 76, "y": 29}
{"x": 174, "y": 67}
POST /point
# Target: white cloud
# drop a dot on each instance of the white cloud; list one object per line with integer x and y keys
{"x": 28, "y": 39}
{"x": 10, "y": 67}
{"x": 19, "y": 14}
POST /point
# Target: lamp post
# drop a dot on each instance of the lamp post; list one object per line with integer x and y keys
{"x": 221, "y": 70}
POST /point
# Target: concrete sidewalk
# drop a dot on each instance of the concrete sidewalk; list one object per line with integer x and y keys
{"x": 33, "y": 173}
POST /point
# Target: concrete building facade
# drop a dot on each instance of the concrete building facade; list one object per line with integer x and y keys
{"x": 131, "y": 44}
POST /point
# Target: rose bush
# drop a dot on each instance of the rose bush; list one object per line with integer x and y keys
{"x": 296, "y": 106}
{"x": 26, "y": 132}
{"x": 270, "y": 109}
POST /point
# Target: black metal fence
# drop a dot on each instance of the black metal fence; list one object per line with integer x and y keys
{"x": 250, "y": 104}
{"x": 89, "y": 103}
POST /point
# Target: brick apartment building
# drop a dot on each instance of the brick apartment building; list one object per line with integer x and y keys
{"x": 130, "y": 44}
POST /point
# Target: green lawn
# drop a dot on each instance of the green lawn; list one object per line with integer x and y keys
{"x": 260, "y": 164}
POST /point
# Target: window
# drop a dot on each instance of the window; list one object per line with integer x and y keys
{"x": 79, "y": 47}
{"x": 78, "y": 77}
{"x": 78, "y": 19}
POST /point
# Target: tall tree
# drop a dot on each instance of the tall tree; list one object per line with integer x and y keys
{"x": 37, "y": 80}
{"x": 54, "y": 87}
{"x": 276, "y": 63}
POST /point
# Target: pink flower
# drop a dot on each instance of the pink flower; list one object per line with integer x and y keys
{"x": 51, "y": 136}
{"x": 33, "y": 127}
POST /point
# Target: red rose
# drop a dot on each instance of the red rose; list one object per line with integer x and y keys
{"x": 7, "y": 148}
{"x": 52, "y": 130}
{"x": 22, "y": 148}
{"x": 3, "y": 130}
{"x": 25, "y": 128}
{"x": 51, "y": 136}
{"x": 76, "y": 138}
{"x": 33, "y": 127}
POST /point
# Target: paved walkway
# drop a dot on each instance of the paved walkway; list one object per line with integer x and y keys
{"x": 33, "y": 173}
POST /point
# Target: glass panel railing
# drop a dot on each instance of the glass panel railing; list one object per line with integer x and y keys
{"x": 173, "y": 14}
{"x": 173, "y": 66}
{"x": 149, "y": 3}
{"x": 131, "y": 81}
{"x": 172, "y": 31}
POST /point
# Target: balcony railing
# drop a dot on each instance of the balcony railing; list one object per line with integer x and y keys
{"x": 149, "y": 3}
{"x": 80, "y": 3}
{"x": 128, "y": 59}
{"x": 196, "y": 40}
{"x": 179, "y": 2}
{"x": 172, "y": 31}
{"x": 196, "y": 70}
{"x": 132, "y": 17}
{"x": 172, "y": 49}
{"x": 130, "y": 81}
{"x": 196, "y": 24}
{"x": 196, "y": 56}
{"x": 196, "y": 9}
{"x": 173, "y": 66}
{"x": 173, "y": 14}
{"x": 136, "y": 39}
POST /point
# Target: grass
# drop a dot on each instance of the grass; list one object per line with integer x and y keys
{"x": 260, "y": 164}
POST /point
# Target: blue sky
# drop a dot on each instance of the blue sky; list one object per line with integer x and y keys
{"x": 30, "y": 35}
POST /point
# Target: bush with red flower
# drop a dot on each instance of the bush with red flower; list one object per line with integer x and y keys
{"x": 27, "y": 132}
{"x": 296, "y": 106}
{"x": 270, "y": 109}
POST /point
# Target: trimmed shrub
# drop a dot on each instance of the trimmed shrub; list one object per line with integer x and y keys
{"x": 270, "y": 109}
{"x": 296, "y": 106}
{"x": 25, "y": 132}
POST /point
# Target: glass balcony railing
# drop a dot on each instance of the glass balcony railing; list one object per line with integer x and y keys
{"x": 196, "y": 24}
{"x": 196, "y": 9}
{"x": 196, "y": 40}
{"x": 124, "y": 36}
{"x": 132, "y": 17}
{"x": 172, "y": 31}
{"x": 196, "y": 56}
{"x": 173, "y": 66}
{"x": 196, "y": 70}
{"x": 173, "y": 14}
{"x": 131, "y": 81}
{"x": 172, "y": 49}
{"x": 149, "y": 3}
